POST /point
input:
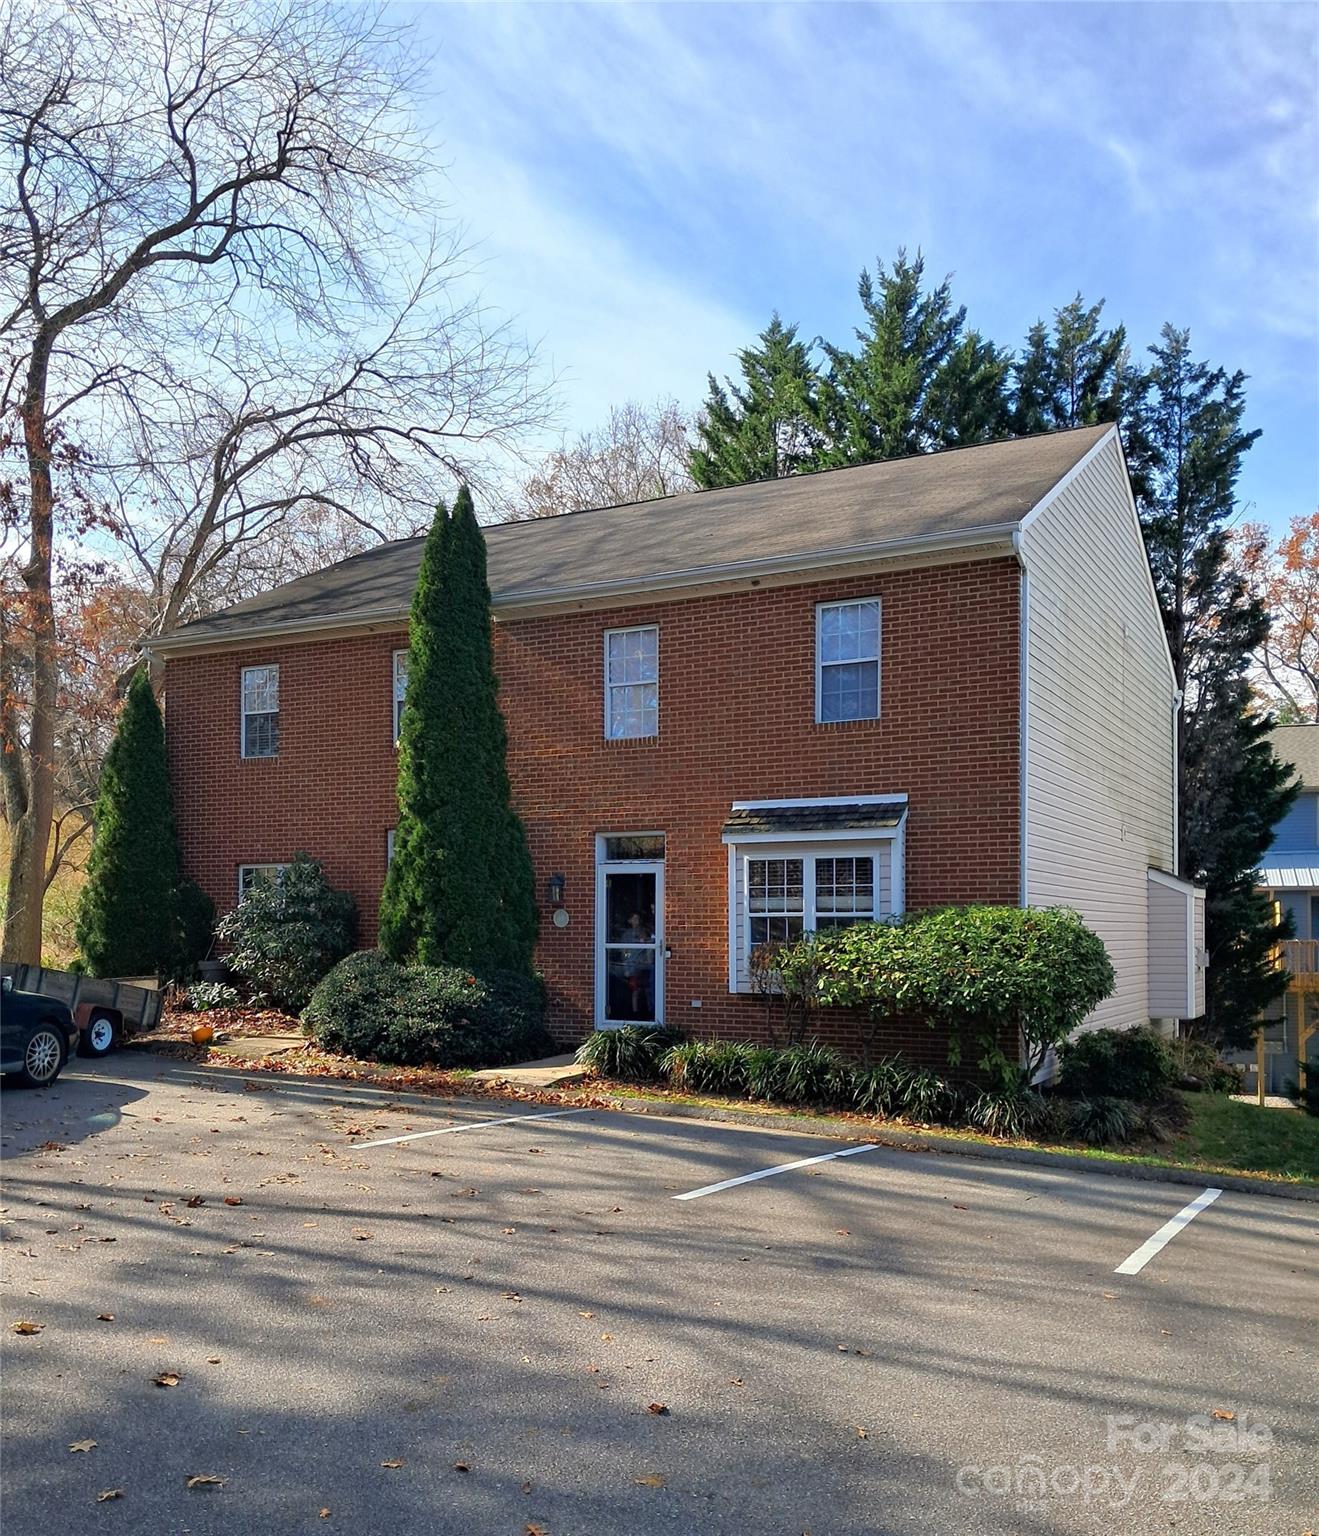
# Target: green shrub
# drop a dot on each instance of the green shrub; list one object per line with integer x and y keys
{"x": 708, "y": 1066}
{"x": 205, "y": 995}
{"x": 371, "y": 1007}
{"x": 814, "y": 1074}
{"x": 1103, "y": 1121}
{"x": 194, "y": 913}
{"x": 928, "y": 1098}
{"x": 878, "y": 1090}
{"x": 1200, "y": 1067}
{"x": 286, "y": 933}
{"x": 977, "y": 973}
{"x": 1010, "y": 1112}
{"x": 1120, "y": 1064}
{"x": 630, "y": 1054}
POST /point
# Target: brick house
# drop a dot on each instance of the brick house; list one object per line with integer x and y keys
{"x": 738, "y": 714}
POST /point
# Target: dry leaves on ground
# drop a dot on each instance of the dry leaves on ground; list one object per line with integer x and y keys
{"x": 650, "y": 1480}
{"x": 660, "y": 1409}
{"x": 105, "y": 1317}
{"x": 203, "y": 1480}
{"x": 394, "y": 1463}
{"x": 26, "y": 1326}
{"x": 83, "y": 1445}
{"x": 166, "y": 1379}
{"x": 233, "y": 1199}
{"x": 106, "y": 1494}
{"x": 1223, "y": 1415}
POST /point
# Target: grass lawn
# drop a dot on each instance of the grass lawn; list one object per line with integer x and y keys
{"x": 1224, "y": 1133}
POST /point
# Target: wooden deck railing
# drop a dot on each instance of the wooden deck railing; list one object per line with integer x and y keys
{"x": 1300, "y": 956}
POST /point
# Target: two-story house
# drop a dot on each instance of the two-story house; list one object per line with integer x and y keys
{"x": 1290, "y": 875}
{"x": 737, "y": 715}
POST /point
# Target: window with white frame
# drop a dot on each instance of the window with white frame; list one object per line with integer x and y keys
{"x": 786, "y": 896}
{"x": 249, "y": 874}
{"x": 400, "y": 690}
{"x": 260, "y": 686}
{"x": 632, "y": 682}
{"x": 847, "y": 661}
{"x": 389, "y": 847}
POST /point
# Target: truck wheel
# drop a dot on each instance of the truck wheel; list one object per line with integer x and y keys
{"x": 99, "y": 1038}
{"x": 44, "y": 1057}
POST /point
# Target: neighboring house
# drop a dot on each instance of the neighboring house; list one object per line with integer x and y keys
{"x": 740, "y": 714}
{"x": 1290, "y": 875}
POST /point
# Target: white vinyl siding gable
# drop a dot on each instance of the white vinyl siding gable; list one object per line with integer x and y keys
{"x": 1099, "y": 751}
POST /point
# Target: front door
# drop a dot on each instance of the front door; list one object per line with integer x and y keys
{"x": 629, "y": 981}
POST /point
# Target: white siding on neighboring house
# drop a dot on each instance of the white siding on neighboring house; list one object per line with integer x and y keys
{"x": 1099, "y": 760}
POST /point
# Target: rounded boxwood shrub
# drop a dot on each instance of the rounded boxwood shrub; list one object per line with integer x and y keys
{"x": 437, "y": 1015}
{"x": 1133, "y": 1064}
{"x": 286, "y": 933}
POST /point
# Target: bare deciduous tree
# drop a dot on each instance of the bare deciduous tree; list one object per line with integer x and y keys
{"x": 639, "y": 454}
{"x": 226, "y": 311}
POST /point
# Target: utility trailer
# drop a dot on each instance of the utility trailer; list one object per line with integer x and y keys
{"x": 106, "y": 1011}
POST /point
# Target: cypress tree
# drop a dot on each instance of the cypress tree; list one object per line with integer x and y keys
{"x": 127, "y": 922}
{"x": 1186, "y": 444}
{"x": 1073, "y": 375}
{"x": 915, "y": 381}
{"x": 766, "y": 426}
{"x": 459, "y": 890}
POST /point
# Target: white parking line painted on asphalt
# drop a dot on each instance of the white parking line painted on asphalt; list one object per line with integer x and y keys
{"x": 473, "y": 1125}
{"x": 768, "y": 1173}
{"x": 1166, "y": 1233}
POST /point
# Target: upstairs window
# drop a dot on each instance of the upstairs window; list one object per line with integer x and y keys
{"x": 632, "y": 682}
{"x": 400, "y": 690}
{"x": 847, "y": 661}
{"x": 260, "y": 711}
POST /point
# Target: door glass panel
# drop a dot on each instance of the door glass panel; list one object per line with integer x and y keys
{"x": 630, "y": 946}
{"x": 634, "y": 845}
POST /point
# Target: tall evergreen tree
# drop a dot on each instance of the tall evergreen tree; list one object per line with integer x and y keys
{"x": 915, "y": 382}
{"x": 1186, "y": 445}
{"x": 459, "y": 890}
{"x": 127, "y": 922}
{"x": 1073, "y": 374}
{"x": 767, "y": 425}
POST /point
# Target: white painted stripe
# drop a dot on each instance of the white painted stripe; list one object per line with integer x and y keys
{"x": 768, "y": 1173}
{"x": 471, "y": 1125}
{"x": 1166, "y": 1233}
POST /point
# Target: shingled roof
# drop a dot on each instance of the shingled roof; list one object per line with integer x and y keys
{"x": 1299, "y": 746}
{"x": 930, "y": 501}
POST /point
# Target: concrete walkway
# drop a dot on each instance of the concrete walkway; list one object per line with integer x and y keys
{"x": 547, "y": 1073}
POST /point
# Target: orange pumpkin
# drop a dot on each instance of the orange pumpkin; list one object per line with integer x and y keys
{"x": 203, "y": 1034}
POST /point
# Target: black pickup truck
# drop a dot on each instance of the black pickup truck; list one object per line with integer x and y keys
{"x": 105, "y": 1011}
{"x": 37, "y": 1035}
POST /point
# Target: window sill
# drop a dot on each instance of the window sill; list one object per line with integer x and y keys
{"x": 848, "y": 725}
{"x": 617, "y": 742}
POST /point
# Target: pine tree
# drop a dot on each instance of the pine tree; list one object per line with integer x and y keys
{"x": 768, "y": 425}
{"x": 1073, "y": 375}
{"x": 915, "y": 381}
{"x": 127, "y": 923}
{"x": 1186, "y": 446}
{"x": 459, "y": 890}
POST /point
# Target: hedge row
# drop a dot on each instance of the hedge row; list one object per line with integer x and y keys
{"x": 815, "y": 1076}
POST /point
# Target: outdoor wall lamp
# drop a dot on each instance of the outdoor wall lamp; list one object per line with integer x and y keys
{"x": 554, "y": 890}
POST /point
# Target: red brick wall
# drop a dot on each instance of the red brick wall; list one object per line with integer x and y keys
{"x": 737, "y": 711}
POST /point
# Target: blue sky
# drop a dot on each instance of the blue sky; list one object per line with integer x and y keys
{"x": 646, "y": 183}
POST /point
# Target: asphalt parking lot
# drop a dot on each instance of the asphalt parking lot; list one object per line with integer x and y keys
{"x": 398, "y": 1316}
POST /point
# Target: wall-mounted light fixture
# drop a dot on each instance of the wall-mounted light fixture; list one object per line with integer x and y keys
{"x": 554, "y": 890}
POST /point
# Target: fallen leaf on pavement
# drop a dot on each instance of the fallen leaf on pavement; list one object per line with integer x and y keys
{"x": 659, "y": 1408}
{"x": 51, "y": 1146}
{"x": 107, "y": 1494}
{"x": 1223, "y": 1415}
{"x": 393, "y": 1464}
{"x": 324, "y": 1514}
{"x": 166, "y": 1379}
{"x": 83, "y": 1445}
{"x": 195, "y": 1201}
{"x": 233, "y": 1199}
{"x": 212, "y": 1359}
{"x": 650, "y": 1480}
{"x": 535, "y": 1530}
{"x": 105, "y": 1317}
{"x": 26, "y": 1326}
{"x": 203, "y": 1480}
{"x": 862, "y": 1433}
{"x": 461, "y": 1466}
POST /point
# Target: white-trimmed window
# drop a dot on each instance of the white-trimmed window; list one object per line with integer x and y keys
{"x": 248, "y": 874}
{"x": 389, "y": 847}
{"x": 847, "y": 661}
{"x": 260, "y": 689}
{"x": 400, "y": 690}
{"x": 632, "y": 682}
{"x": 804, "y": 892}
